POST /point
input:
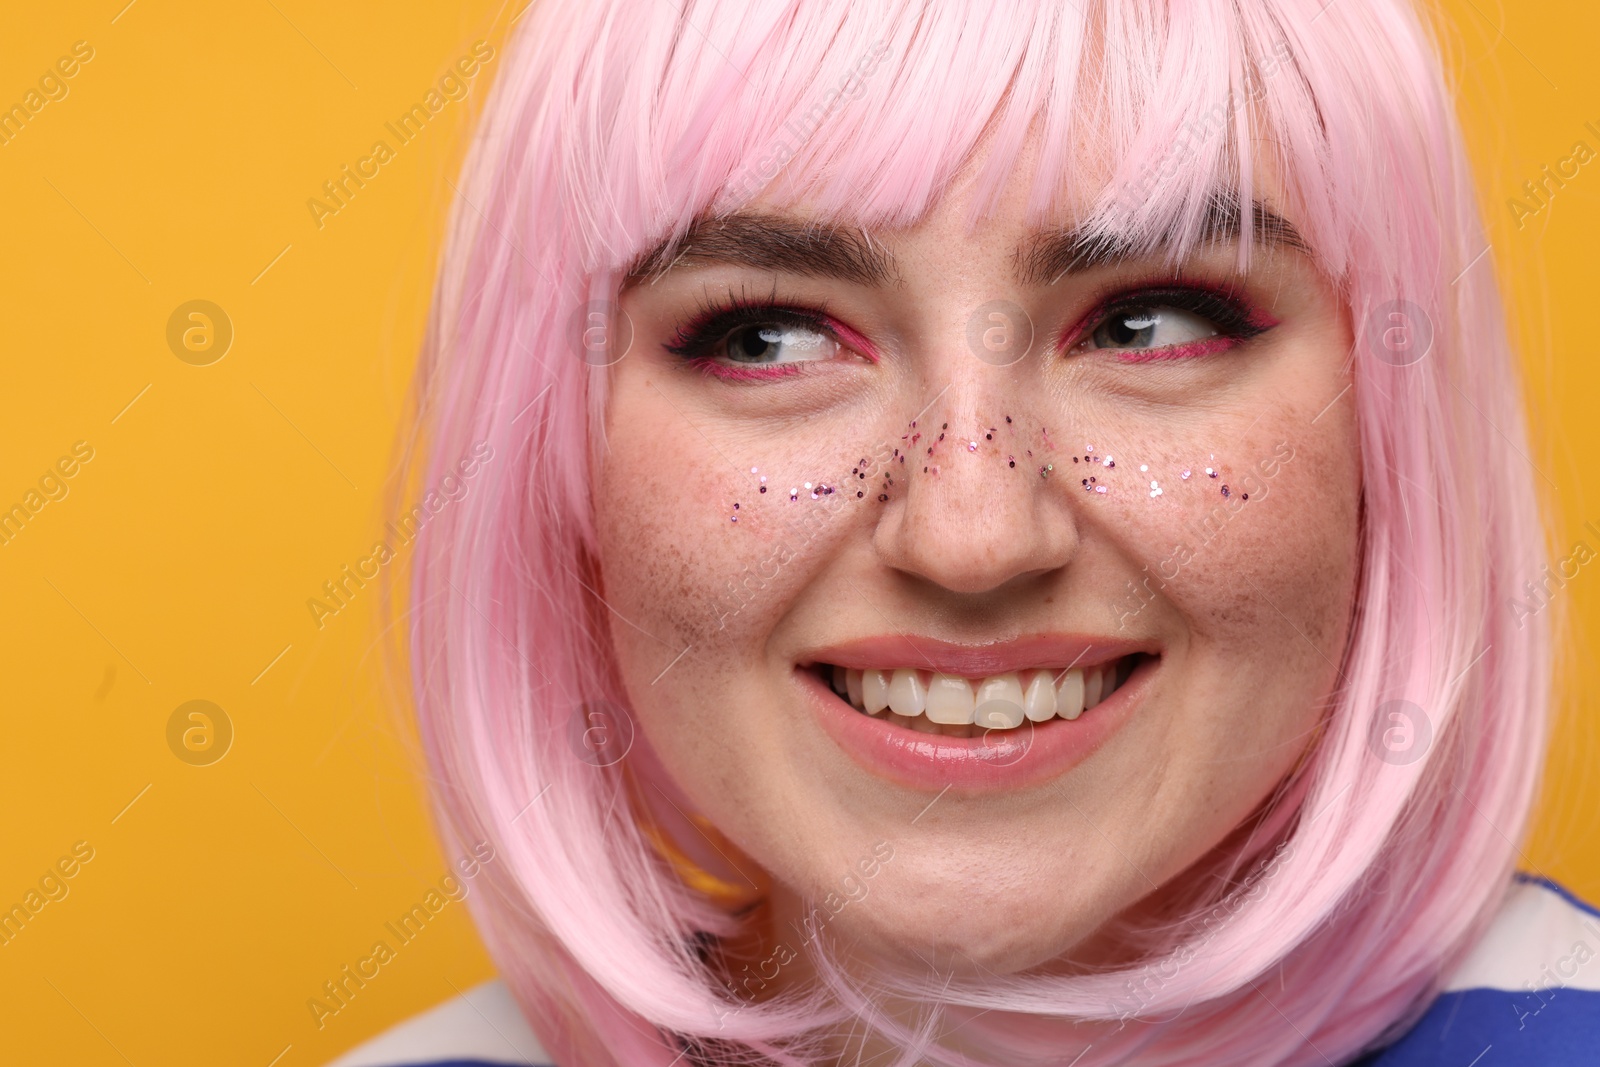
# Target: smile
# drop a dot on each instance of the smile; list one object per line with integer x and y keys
{"x": 956, "y": 706}
{"x": 975, "y": 718}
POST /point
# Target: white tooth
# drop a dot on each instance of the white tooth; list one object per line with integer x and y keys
{"x": 907, "y": 695}
{"x": 838, "y": 679}
{"x": 999, "y": 713}
{"x": 1001, "y": 687}
{"x": 1093, "y": 677}
{"x": 999, "y": 702}
{"x": 949, "y": 700}
{"x": 874, "y": 690}
{"x": 1039, "y": 703}
{"x": 1069, "y": 697}
{"x": 852, "y": 679}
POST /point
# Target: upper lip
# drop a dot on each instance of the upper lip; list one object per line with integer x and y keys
{"x": 1057, "y": 650}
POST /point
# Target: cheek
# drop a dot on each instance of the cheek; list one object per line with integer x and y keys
{"x": 674, "y": 560}
{"x": 692, "y": 596}
{"x": 1278, "y": 571}
{"x": 1262, "y": 553}
{"x": 1252, "y": 599}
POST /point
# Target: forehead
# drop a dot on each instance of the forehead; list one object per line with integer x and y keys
{"x": 1083, "y": 201}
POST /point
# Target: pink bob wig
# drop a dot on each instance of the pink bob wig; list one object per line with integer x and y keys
{"x": 1317, "y": 934}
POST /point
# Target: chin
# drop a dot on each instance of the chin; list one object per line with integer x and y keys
{"x": 969, "y": 931}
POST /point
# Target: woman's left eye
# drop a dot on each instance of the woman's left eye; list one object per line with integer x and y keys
{"x": 1170, "y": 323}
{"x": 1151, "y": 327}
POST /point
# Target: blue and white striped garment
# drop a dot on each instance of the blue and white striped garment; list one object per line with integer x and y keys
{"x": 1528, "y": 995}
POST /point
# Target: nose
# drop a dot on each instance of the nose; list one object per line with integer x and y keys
{"x": 977, "y": 512}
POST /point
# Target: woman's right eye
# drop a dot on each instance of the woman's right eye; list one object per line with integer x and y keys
{"x": 775, "y": 343}
{"x": 749, "y": 336}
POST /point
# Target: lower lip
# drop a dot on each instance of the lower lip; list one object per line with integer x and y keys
{"x": 999, "y": 760}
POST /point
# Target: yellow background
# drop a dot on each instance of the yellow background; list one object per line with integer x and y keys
{"x": 220, "y": 497}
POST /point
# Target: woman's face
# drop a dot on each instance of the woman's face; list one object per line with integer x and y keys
{"x": 1156, "y": 497}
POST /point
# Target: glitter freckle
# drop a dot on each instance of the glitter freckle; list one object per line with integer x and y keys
{"x": 972, "y": 446}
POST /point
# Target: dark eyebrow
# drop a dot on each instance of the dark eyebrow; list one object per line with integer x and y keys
{"x": 793, "y": 246}
{"x": 772, "y": 242}
{"x": 1045, "y": 257}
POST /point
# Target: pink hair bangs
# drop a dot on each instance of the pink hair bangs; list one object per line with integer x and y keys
{"x": 615, "y": 125}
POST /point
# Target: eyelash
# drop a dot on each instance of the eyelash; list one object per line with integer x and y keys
{"x": 1235, "y": 319}
{"x": 696, "y": 341}
{"x": 711, "y": 324}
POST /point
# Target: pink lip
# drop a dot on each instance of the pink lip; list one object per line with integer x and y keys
{"x": 993, "y": 762}
{"x": 976, "y": 661}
